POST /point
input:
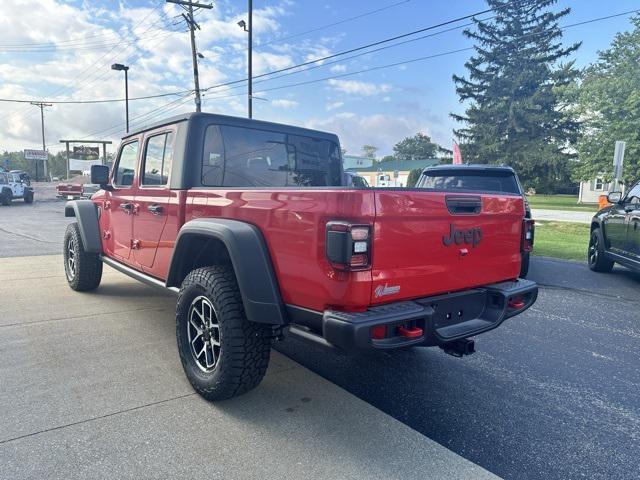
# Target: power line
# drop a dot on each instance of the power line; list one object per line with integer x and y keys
{"x": 328, "y": 25}
{"x": 77, "y": 77}
{"x": 311, "y": 62}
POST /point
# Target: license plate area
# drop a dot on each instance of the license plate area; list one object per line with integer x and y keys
{"x": 452, "y": 309}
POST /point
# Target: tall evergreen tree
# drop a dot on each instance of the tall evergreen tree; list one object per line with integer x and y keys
{"x": 515, "y": 93}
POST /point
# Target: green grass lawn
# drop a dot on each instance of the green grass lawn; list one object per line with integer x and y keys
{"x": 560, "y": 202}
{"x": 561, "y": 240}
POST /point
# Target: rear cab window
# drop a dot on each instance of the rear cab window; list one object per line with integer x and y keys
{"x": 251, "y": 157}
{"x": 157, "y": 160}
{"x": 494, "y": 181}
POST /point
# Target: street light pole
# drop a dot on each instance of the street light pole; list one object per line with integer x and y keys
{"x": 248, "y": 27}
{"x": 125, "y": 69}
{"x": 250, "y": 61}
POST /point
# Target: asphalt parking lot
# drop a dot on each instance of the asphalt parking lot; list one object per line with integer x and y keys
{"x": 92, "y": 387}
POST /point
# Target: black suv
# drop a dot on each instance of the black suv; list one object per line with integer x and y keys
{"x": 481, "y": 178}
{"x": 615, "y": 233}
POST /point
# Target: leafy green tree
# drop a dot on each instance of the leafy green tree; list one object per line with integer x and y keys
{"x": 369, "y": 151}
{"x": 387, "y": 158}
{"x": 418, "y": 147}
{"x": 413, "y": 177}
{"x": 609, "y": 103}
{"x": 517, "y": 113}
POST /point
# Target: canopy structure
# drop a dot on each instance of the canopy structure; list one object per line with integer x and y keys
{"x": 94, "y": 142}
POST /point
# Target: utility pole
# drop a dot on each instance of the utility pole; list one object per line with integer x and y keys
{"x": 188, "y": 6}
{"x": 41, "y": 105}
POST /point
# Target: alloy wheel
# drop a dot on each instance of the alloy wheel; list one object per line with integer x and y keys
{"x": 71, "y": 260}
{"x": 203, "y": 332}
{"x": 593, "y": 249}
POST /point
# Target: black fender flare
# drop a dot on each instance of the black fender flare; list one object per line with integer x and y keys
{"x": 251, "y": 263}
{"x": 86, "y": 213}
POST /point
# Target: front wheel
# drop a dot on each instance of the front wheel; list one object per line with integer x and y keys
{"x": 5, "y": 197}
{"x": 83, "y": 269}
{"x": 223, "y": 354}
{"x": 28, "y": 197}
{"x": 596, "y": 258}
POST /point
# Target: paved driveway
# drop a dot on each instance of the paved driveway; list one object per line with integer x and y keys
{"x": 91, "y": 387}
{"x": 551, "y": 394}
{"x": 562, "y": 215}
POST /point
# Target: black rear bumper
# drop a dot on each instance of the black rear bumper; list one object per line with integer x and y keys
{"x": 438, "y": 320}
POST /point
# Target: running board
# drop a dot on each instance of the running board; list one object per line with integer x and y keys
{"x": 141, "y": 277}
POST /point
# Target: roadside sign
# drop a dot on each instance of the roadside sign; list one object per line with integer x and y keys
{"x": 35, "y": 155}
{"x": 618, "y": 159}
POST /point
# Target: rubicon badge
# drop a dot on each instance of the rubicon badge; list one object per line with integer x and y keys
{"x": 384, "y": 290}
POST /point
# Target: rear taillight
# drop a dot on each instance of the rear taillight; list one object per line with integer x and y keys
{"x": 528, "y": 230}
{"x": 348, "y": 246}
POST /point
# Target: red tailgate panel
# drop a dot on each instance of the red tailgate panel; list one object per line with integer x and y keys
{"x": 409, "y": 252}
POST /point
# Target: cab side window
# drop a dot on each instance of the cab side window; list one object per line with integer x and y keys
{"x": 126, "y": 165}
{"x": 634, "y": 195}
{"x": 157, "y": 160}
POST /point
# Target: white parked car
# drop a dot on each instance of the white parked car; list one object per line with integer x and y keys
{"x": 12, "y": 187}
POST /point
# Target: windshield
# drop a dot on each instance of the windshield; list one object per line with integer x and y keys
{"x": 477, "y": 181}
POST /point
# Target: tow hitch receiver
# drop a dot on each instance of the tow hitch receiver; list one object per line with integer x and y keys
{"x": 459, "y": 348}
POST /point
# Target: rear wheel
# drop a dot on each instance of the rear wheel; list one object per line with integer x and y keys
{"x": 223, "y": 354}
{"x": 596, "y": 258}
{"x": 83, "y": 269}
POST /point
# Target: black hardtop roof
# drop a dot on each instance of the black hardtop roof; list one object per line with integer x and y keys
{"x": 236, "y": 122}
{"x": 471, "y": 166}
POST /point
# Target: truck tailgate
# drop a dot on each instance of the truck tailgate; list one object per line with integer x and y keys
{"x": 426, "y": 242}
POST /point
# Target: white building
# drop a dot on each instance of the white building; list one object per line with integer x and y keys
{"x": 590, "y": 191}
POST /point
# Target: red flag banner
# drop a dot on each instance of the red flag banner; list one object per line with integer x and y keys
{"x": 457, "y": 156}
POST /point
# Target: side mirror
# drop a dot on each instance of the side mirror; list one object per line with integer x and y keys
{"x": 100, "y": 175}
{"x": 614, "y": 197}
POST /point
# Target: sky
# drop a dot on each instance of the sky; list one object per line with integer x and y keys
{"x": 62, "y": 50}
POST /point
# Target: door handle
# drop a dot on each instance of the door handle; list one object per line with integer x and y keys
{"x": 155, "y": 209}
{"x": 127, "y": 207}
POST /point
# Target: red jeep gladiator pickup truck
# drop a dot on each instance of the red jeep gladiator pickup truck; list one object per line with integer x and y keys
{"x": 250, "y": 224}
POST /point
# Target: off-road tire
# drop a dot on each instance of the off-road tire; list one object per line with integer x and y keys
{"x": 88, "y": 267}
{"x": 245, "y": 346}
{"x": 596, "y": 258}
{"x": 524, "y": 265}
{"x": 28, "y": 197}
{"x": 6, "y": 197}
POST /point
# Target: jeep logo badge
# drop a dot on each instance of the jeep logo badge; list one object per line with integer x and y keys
{"x": 472, "y": 236}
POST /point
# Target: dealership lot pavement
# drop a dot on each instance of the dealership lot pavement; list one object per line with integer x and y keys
{"x": 553, "y": 393}
{"x": 92, "y": 388}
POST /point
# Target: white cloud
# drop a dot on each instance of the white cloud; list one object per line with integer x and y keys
{"x": 284, "y": 103}
{"x": 265, "y": 62}
{"x": 381, "y": 130}
{"x": 338, "y": 68}
{"x": 356, "y": 87}
{"x": 334, "y": 105}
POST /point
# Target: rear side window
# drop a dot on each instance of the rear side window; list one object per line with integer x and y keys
{"x": 157, "y": 160}
{"x": 246, "y": 157}
{"x": 126, "y": 165}
{"x": 476, "y": 181}
{"x": 3, "y": 179}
